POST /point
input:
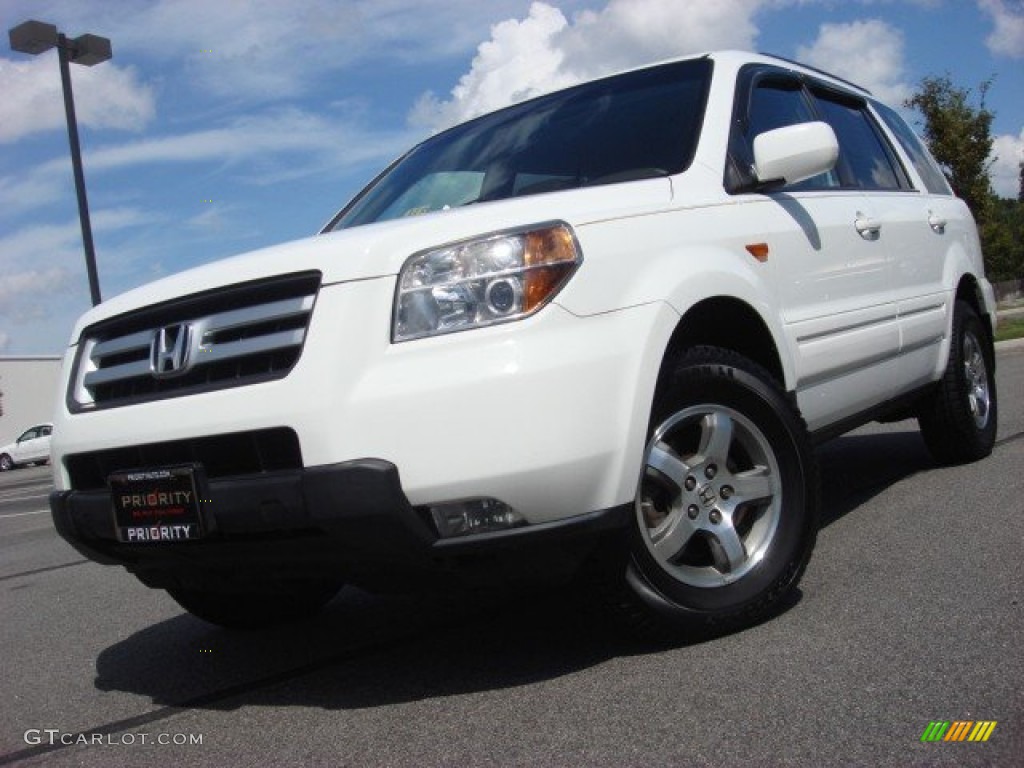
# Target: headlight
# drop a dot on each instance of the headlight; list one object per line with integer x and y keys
{"x": 493, "y": 279}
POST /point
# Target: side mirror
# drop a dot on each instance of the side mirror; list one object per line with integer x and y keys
{"x": 793, "y": 153}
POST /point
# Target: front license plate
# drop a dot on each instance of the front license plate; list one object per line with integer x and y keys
{"x": 156, "y": 505}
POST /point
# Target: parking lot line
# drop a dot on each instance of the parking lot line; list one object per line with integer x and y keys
{"x": 23, "y": 514}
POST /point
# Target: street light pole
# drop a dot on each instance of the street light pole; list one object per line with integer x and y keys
{"x": 76, "y": 163}
{"x": 34, "y": 37}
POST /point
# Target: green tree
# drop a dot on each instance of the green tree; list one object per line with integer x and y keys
{"x": 1002, "y": 240}
{"x": 959, "y": 135}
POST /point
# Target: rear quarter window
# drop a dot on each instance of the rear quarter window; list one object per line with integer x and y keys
{"x": 925, "y": 165}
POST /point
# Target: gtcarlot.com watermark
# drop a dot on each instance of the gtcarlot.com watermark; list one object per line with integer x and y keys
{"x": 56, "y": 737}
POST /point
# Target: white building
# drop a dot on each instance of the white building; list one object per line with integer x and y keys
{"x": 28, "y": 392}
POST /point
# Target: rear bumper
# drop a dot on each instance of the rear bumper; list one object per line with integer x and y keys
{"x": 350, "y": 520}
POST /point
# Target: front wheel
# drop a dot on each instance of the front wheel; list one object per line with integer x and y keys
{"x": 258, "y": 607}
{"x": 6, "y": 463}
{"x": 726, "y": 510}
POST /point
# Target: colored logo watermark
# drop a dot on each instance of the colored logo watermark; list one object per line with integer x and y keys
{"x": 958, "y": 730}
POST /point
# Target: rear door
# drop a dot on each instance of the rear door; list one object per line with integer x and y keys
{"x": 925, "y": 224}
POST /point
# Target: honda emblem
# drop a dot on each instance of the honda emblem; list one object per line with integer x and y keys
{"x": 170, "y": 351}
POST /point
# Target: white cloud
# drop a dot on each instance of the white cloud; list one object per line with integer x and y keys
{"x": 265, "y": 137}
{"x": 545, "y": 51}
{"x": 869, "y": 53}
{"x": 39, "y": 242}
{"x": 212, "y": 221}
{"x": 522, "y": 59}
{"x": 32, "y": 298}
{"x": 259, "y": 49}
{"x": 268, "y": 148}
{"x": 1007, "y": 153}
{"x": 33, "y": 189}
{"x": 45, "y": 246}
{"x": 43, "y": 265}
{"x": 627, "y": 33}
{"x": 1007, "y": 38}
{"x": 30, "y": 287}
{"x": 106, "y": 96}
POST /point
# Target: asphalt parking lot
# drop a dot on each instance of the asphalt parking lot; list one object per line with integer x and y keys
{"x": 910, "y": 612}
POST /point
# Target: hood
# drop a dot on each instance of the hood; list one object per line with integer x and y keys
{"x": 380, "y": 249}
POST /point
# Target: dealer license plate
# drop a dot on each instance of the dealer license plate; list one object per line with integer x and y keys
{"x": 157, "y": 505}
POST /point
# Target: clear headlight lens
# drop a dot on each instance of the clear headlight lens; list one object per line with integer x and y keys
{"x": 493, "y": 279}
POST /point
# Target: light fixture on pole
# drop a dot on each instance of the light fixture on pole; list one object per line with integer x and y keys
{"x": 35, "y": 37}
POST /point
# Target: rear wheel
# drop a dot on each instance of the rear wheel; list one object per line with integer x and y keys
{"x": 726, "y": 511}
{"x": 959, "y": 420}
{"x": 260, "y": 606}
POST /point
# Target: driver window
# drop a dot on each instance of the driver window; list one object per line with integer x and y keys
{"x": 776, "y": 104}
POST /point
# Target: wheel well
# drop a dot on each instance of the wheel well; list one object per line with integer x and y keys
{"x": 730, "y": 324}
{"x": 968, "y": 291}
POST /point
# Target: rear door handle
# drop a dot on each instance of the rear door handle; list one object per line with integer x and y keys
{"x": 937, "y": 224}
{"x": 868, "y": 227}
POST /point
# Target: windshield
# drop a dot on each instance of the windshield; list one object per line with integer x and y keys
{"x": 632, "y": 126}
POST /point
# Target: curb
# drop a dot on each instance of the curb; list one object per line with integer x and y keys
{"x": 1009, "y": 343}
{"x": 1002, "y": 346}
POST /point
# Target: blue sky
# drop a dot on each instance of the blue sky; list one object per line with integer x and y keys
{"x": 221, "y": 126}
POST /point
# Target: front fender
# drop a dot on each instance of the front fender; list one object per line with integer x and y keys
{"x": 667, "y": 257}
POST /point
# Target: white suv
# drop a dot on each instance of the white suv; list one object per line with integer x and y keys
{"x": 602, "y": 327}
{"x": 31, "y": 447}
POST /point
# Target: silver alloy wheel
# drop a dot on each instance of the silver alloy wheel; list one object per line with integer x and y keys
{"x": 710, "y": 496}
{"x": 979, "y": 399}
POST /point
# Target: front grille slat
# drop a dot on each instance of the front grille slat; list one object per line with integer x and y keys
{"x": 245, "y": 347}
{"x": 116, "y": 373}
{"x": 242, "y": 334}
{"x": 260, "y": 314}
{"x": 131, "y": 343}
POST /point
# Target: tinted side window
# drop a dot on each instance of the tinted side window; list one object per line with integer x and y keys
{"x": 863, "y": 159}
{"x": 776, "y": 105}
{"x": 934, "y": 180}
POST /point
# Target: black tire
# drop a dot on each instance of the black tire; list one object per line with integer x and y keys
{"x": 727, "y": 507}
{"x": 258, "y": 607}
{"x": 6, "y": 464}
{"x": 959, "y": 419}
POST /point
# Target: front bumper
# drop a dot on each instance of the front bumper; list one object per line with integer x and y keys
{"x": 547, "y": 414}
{"x": 350, "y": 521}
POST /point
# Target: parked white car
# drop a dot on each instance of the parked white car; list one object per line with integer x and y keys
{"x": 599, "y": 329}
{"x": 31, "y": 447}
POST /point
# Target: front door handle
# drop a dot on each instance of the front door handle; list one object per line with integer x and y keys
{"x": 868, "y": 227}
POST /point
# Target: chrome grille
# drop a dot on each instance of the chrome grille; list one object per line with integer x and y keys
{"x": 239, "y": 335}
